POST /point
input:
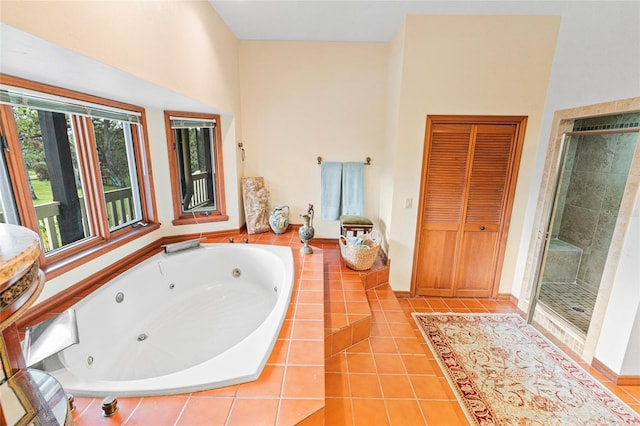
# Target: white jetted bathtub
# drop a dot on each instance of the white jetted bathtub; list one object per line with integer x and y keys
{"x": 190, "y": 320}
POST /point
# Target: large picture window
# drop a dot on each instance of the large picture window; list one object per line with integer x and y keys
{"x": 74, "y": 167}
{"x": 195, "y": 161}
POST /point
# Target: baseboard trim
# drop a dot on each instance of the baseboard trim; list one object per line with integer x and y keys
{"x": 513, "y": 299}
{"x": 506, "y": 296}
{"x": 614, "y": 377}
{"x": 500, "y": 296}
{"x": 628, "y": 381}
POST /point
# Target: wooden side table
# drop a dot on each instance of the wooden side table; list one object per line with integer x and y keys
{"x": 26, "y": 396}
{"x": 355, "y": 224}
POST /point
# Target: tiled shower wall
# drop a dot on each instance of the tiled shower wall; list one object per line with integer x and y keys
{"x": 597, "y": 167}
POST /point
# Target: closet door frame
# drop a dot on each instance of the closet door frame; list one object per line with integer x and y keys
{"x": 511, "y": 180}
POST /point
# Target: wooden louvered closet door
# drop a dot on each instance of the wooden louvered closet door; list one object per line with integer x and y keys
{"x": 466, "y": 196}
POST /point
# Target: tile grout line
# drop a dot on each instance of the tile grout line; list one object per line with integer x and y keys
{"x": 133, "y": 411}
{"x": 290, "y": 338}
{"x": 86, "y": 408}
{"x": 184, "y": 407}
{"x": 409, "y": 375}
{"x": 231, "y": 408}
{"x": 346, "y": 361}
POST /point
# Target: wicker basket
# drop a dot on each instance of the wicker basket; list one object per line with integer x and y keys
{"x": 357, "y": 257}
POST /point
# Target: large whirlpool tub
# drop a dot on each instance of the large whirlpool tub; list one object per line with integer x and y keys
{"x": 180, "y": 322}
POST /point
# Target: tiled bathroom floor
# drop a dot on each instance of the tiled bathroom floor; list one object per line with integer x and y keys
{"x": 389, "y": 378}
{"x": 571, "y": 301}
{"x": 392, "y": 377}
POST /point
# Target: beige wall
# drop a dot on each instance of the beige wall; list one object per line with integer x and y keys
{"x": 477, "y": 65}
{"x": 340, "y": 101}
{"x": 304, "y": 100}
{"x": 180, "y": 46}
{"x": 394, "y": 84}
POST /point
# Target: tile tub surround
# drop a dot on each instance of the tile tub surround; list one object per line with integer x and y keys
{"x": 385, "y": 361}
{"x": 290, "y": 389}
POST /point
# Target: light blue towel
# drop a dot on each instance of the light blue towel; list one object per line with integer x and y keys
{"x": 330, "y": 184}
{"x": 353, "y": 188}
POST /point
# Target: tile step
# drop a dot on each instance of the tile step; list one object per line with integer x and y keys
{"x": 347, "y": 311}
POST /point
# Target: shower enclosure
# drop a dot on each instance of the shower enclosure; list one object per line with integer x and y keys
{"x": 595, "y": 161}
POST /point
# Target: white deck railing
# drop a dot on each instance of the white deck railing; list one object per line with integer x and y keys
{"x": 119, "y": 210}
{"x": 200, "y": 195}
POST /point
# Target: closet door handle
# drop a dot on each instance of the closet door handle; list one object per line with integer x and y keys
{"x": 482, "y": 228}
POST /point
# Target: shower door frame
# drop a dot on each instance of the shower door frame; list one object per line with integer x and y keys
{"x": 562, "y": 125}
{"x": 546, "y": 233}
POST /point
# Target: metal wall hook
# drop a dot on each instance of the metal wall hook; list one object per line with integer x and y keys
{"x": 241, "y": 146}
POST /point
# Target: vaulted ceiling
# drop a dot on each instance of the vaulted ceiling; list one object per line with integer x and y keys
{"x": 353, "y": 20}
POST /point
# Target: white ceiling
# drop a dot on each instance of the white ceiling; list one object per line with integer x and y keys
{"x": 354, "y": 20}
{"x": 305, "y": 20}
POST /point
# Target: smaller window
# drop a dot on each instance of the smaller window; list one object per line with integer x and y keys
{"x": 195, "y": 162}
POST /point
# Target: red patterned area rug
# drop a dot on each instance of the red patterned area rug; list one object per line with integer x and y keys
{"x": 505, "y": 372}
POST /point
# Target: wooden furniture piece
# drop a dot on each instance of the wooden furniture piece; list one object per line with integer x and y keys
{"x": 355, "y": 224}
{"x": 22, "y": 400}
{"x": 469, "y": 176}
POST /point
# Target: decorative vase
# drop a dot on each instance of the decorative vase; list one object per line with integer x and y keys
{"x": 306, "y": 231}
{"x": 279, "y": 219}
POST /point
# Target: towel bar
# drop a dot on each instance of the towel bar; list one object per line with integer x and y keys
{"x": 367, "y": 161}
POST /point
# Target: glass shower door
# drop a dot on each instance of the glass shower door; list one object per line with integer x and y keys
{"x": 544, "y": 255}
{"x": 590, "y": 182}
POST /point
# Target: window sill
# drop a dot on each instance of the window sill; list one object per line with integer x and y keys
{"x": 200, "y": 220}
{"x": 59, "y": 267}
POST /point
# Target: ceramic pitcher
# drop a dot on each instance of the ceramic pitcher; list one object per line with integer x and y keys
{"x": 306, "y": 231}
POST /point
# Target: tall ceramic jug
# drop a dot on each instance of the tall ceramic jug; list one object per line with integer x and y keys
{"x": 279, "y": 219}
{"x": 306, "y": 231}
